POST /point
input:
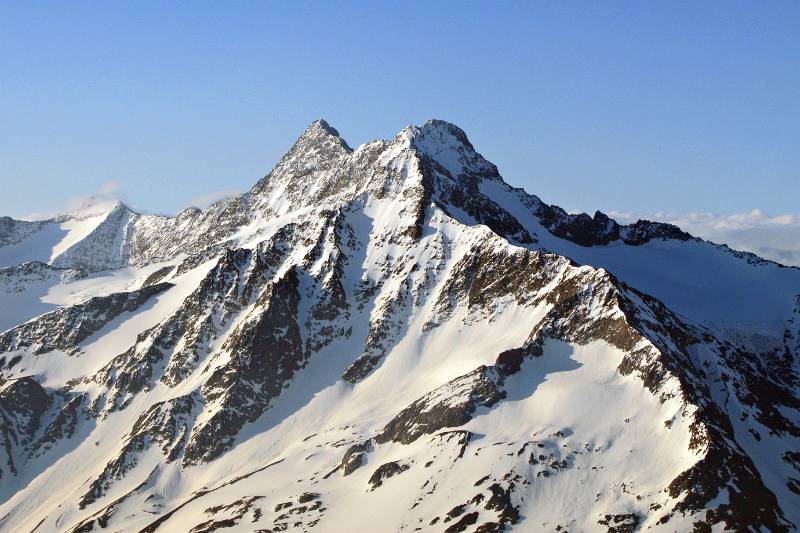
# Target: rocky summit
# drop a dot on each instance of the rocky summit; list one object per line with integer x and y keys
{"x": 391, "y": 338}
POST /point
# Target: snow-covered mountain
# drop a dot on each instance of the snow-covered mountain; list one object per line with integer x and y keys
{"x": 391, "y": 338}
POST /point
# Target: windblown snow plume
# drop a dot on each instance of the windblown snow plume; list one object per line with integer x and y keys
{"x": 391, "y": 338}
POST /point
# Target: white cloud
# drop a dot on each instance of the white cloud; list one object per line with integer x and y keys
{"x": 204, "y": 200}
{"x": 105, "y": 197}
{"x": 771, "y": 237}
{"x": 108, "y": 189}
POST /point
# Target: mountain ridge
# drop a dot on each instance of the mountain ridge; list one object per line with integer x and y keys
{"x": 580, "y": 228}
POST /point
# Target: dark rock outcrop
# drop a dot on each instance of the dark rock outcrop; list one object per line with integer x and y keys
{"x": 66, "y": 328}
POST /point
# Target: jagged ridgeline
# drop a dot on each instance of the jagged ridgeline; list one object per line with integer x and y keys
{"x": 391, "y": 338}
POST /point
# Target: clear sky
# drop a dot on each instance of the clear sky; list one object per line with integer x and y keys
{"x": 627, "y": 106}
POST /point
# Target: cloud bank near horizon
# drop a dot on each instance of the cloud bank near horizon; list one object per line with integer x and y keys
{"x": 771, "y": 237}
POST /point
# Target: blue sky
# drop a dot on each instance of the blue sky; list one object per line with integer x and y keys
{"x": 638, "y": 107}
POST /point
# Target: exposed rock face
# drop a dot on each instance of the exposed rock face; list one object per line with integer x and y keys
{"x": 386, "y": 471}
{"x": 353, "y": 458}
{"x": 23, "y": 404}
{"x": 394, "y": 323}
{"x": 449, "y": 406}
{"x": 15, "y": 231}
{"x": 61, "y": 427}
{"x": 64, "y": 329}
{"x": 268, "y": 350}
{"x": 106, "y": 247}
{"x": 18, "y": 278}
{"x": 165, "y": 424}
{"x": 643, "y": 231}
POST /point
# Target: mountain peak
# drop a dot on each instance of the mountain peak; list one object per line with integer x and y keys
{"x": 93, "y": 207}
{"x": 436, "y": 131}
{"x": 322, "y": 125}
{"x": 320, "y": 131}
{"x": 448, "y": 145}
{"x": 446, "y": 131}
